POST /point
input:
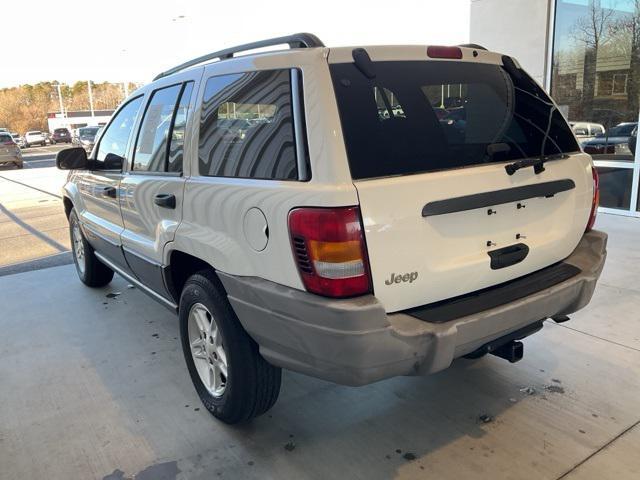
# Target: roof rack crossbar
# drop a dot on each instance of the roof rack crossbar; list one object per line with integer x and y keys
{"x": 297, "y": 40}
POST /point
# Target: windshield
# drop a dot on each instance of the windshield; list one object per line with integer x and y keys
{"x": 5, "y": 138}
{"x": 621, "y": 130}
{"x": 88, "y": 133}
{"x": 421, "y": 116}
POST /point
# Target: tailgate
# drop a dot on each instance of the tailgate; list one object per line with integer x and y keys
{"x": 427, "y": 143}
{"x": 446, "y": 255}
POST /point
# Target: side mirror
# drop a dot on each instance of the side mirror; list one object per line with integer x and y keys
{"x": 112, "y": 162}
{"x": 72, "y": 159}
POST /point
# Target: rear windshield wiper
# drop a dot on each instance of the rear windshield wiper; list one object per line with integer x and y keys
{"x": 536, "y": 163}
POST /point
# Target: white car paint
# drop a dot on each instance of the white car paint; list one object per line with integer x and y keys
{"x": 448, "y": 252}
{"x": 34, "y": 138}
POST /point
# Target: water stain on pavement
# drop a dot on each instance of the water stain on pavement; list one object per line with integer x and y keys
{"x": 160, "y": 471}
{"x": 554, "y": 389}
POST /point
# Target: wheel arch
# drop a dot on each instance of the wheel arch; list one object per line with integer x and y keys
{"x": 68, "y": 205}
{"x": 180, "y": 267}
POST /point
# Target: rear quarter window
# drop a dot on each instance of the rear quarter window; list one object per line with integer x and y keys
{"x": 246, "y": 127}
{"x": 422, "y": 116}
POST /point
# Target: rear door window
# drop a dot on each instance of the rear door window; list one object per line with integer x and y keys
{"x": 176, "y": 145}
{"x": 422, "y": 116}
{"x": 151, "y": 146}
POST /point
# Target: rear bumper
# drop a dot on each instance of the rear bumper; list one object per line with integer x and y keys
{"x": 4, "y": 159}
{"x": 354, "y": 341}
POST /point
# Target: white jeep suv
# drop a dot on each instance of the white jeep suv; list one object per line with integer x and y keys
{"x": 349, "y": 213}
{"x": 34, "y": 137}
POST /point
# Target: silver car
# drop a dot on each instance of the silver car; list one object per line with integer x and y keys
{"x": 86, "y": 137}
{"x": 9, "y": 151}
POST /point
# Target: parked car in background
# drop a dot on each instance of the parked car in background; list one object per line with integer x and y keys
{"x": 61, "y": 135}
{"x": 18, "y": 139}
{"x": 614, "y": 141}
{"x": 87, "y": 137}
{"x": 585, "y": 131}
{"x": 351, "y": 257}
{"x": 9, "y": 150}
{"x": 633, "y": 139}
{"x": 34, "y": 137}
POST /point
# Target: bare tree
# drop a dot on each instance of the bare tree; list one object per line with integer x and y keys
{"x": 628, "y": 27}
{"x": 592, "y": 31}
{"x": 25, "y": 107}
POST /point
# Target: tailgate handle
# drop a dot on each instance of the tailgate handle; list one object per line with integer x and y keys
{"x": 507, "y": 256}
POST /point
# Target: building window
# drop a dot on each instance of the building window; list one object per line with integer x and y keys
{"x": 595, "y": 80}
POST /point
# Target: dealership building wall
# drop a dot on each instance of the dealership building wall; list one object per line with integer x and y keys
{"x": 586, "y": 54}
{"x": 518, "y": 28}
{"x": 78, "y": 119}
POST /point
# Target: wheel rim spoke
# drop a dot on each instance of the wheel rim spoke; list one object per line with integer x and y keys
{"x": 78, "y": 247}
{"x": 223, "y": 369}
{"x": 207, "y": 351}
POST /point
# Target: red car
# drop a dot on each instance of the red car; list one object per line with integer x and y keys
{"x": 61, "y": 135}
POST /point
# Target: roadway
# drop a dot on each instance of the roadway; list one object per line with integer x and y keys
{"x": 33, "y": 227}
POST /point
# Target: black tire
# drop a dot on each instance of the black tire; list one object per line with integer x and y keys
{"x": 253, "y": 385}
{"x": 95, "y": 273}
{"x": 19, "y": 165}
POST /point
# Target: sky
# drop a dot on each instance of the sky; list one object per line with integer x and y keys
{"x": 133, "y": 40}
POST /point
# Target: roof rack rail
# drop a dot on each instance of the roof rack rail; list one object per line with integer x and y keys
{"x": 472, "y": 45}
{"x": 297, "y": 40}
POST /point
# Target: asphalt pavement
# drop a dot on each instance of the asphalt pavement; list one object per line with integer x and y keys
{"x": 33, "y": 226}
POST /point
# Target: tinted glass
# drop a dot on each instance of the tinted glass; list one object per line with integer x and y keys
{"x": 151, "y": 147}
{"x": 5, "y": 137}
{"x": 176, "y": 146}
{"x": 421, "y": 116}
{"x": 621, "y": 130}
{"x": 246, "y": 128}
{"x": 88, "y": 133}
{"x": 116, "y": 137}
{"x": 615, "y": 187}
{"x": 594, "y": 73}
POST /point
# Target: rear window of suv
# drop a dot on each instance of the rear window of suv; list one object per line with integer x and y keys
{"x": 424, "y": 116}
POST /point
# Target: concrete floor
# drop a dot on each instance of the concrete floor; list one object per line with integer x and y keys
{"x": 92, "y": 387}
{"x": 32, "y": 220}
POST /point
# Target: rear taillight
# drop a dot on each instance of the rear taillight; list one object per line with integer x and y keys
{"x": 8, "y": 142}
{"x": 329, "y": 249}
{"x": 596, "y": 199}
{"x": 437, "y": 51}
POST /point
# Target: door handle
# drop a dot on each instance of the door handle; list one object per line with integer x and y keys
{"x": 109, "y": 192}
{"x": 166, "y": 200}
